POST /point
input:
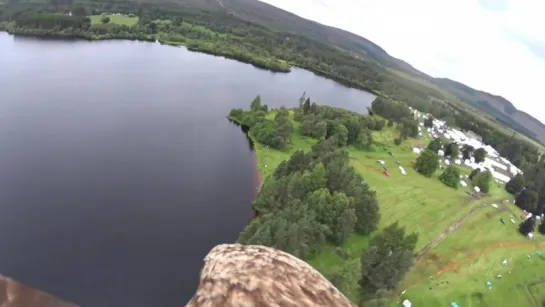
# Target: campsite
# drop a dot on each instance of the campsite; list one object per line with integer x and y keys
{"x": 461, "y": 243}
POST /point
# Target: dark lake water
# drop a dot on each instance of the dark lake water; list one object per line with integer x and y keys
{"x": 118, "y": 168}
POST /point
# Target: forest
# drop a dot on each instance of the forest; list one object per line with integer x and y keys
{"x": 316, "y": 198}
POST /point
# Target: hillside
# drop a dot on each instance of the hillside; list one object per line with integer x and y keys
{"x": 500, "y": 108}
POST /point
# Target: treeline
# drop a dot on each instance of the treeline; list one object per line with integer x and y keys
{"x": 274, "y": 133}
{"x": 312, "y": 198}
{"x": 51, "y": 21}
{"x": 316, "y": 197}
{"x": 529, "y": 188}
{"x": 247, "y": 41}
{"x": 398, "y": 113}
{"x": 349, "y": 128}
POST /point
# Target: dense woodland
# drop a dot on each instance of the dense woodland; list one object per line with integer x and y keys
{"x": 316, "y": 198}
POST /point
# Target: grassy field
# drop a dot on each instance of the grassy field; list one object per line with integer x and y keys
{"x": 117, "y": 19}
{"x": 463, "y": 261}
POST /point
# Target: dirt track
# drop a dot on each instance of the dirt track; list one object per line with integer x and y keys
{"x": 445, "y": 232}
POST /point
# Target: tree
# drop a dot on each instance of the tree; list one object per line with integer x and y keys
{"x": 527, "y": 200}
{"x": 341, "y": 133}
{"x": 450, "y": 176}
{"x": 334, "y": 211}
{"x": 306, "y": 106}
{"x": 387, "y": 260}
{"x": 542, "y": 227}
{"x": 256, "y": 105}
{"x": 105, "y": 19}
{"x": 480, "y": 155}
{"x": 178, "y": 21}
{"x": 364, "y": 139}
{"x": 527, "y": 226}
{"x": 474, "y": 173}
{"x": 379, "y": 124}
{"x": 428, "y": 122}
{"x": 516, "y": 184}
{"x": 435, "y": 145}
{"x": 467, "y": 151}
{"x": 482, "y": 180}
{"x": 452, "y": 150}
{"x": 409, "y": 128}
{"x": 427, "y": 163}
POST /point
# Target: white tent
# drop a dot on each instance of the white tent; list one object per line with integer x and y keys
{"x": 463, "y": 183}
{"x": 447, "y": 162}
{"x": 407, "y": 303}
{"x": 416, "y": 150}
{"x": 477, "y": 189}
{"x": 458, "y": 161}
{"x": 441, "y": 152}
{"x": 530, "y": 236}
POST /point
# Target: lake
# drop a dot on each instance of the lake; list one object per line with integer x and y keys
{"x": 118, "y": 168}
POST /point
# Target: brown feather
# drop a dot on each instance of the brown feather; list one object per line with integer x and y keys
{"x": 237, "y": 275}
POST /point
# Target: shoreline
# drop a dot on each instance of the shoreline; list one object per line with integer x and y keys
{"x": 258, "y": 174}
{"x": 155, "y": 39}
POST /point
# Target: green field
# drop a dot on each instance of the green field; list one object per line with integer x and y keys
{"x": 426, "y": 206}
{"x": 116, "y": 19}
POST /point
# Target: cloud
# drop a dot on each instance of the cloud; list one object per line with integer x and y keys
{"x": 498, "y": 47}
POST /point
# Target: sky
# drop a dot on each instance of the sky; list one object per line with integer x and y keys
{"x": 497, "y": 46}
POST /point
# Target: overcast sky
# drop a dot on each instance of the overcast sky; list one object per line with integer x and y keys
{"x": 493, "y": 45}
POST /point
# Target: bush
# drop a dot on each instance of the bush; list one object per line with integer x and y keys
{"x": 451, "y": 176}
{"x": 515, "y": 185}
{"x": 236, "y": 113}
{"x": 435, "y": 145}
{"x": 527, "y": 226}
{"x": 482, "y": 180}
{"x": 105, "y": 19}
{"x": 427, "y": 163}
{"x": 398, "y": 141}
{"x": 527, "y": 200}
{"x": 428, "y": 122}
{"x": 480, "y": 155}
{"x": 379, "y": 124}
{"x": 474, "y": 173}
{"x": 542, "y": 228}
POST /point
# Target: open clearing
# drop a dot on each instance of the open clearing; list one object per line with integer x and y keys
{"x": 467, "y": 250}
{"x": 116, "y": 19}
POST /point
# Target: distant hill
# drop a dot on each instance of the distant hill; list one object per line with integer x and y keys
{"x": 280, "y": 20}
{"x": 500, "y": 108}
